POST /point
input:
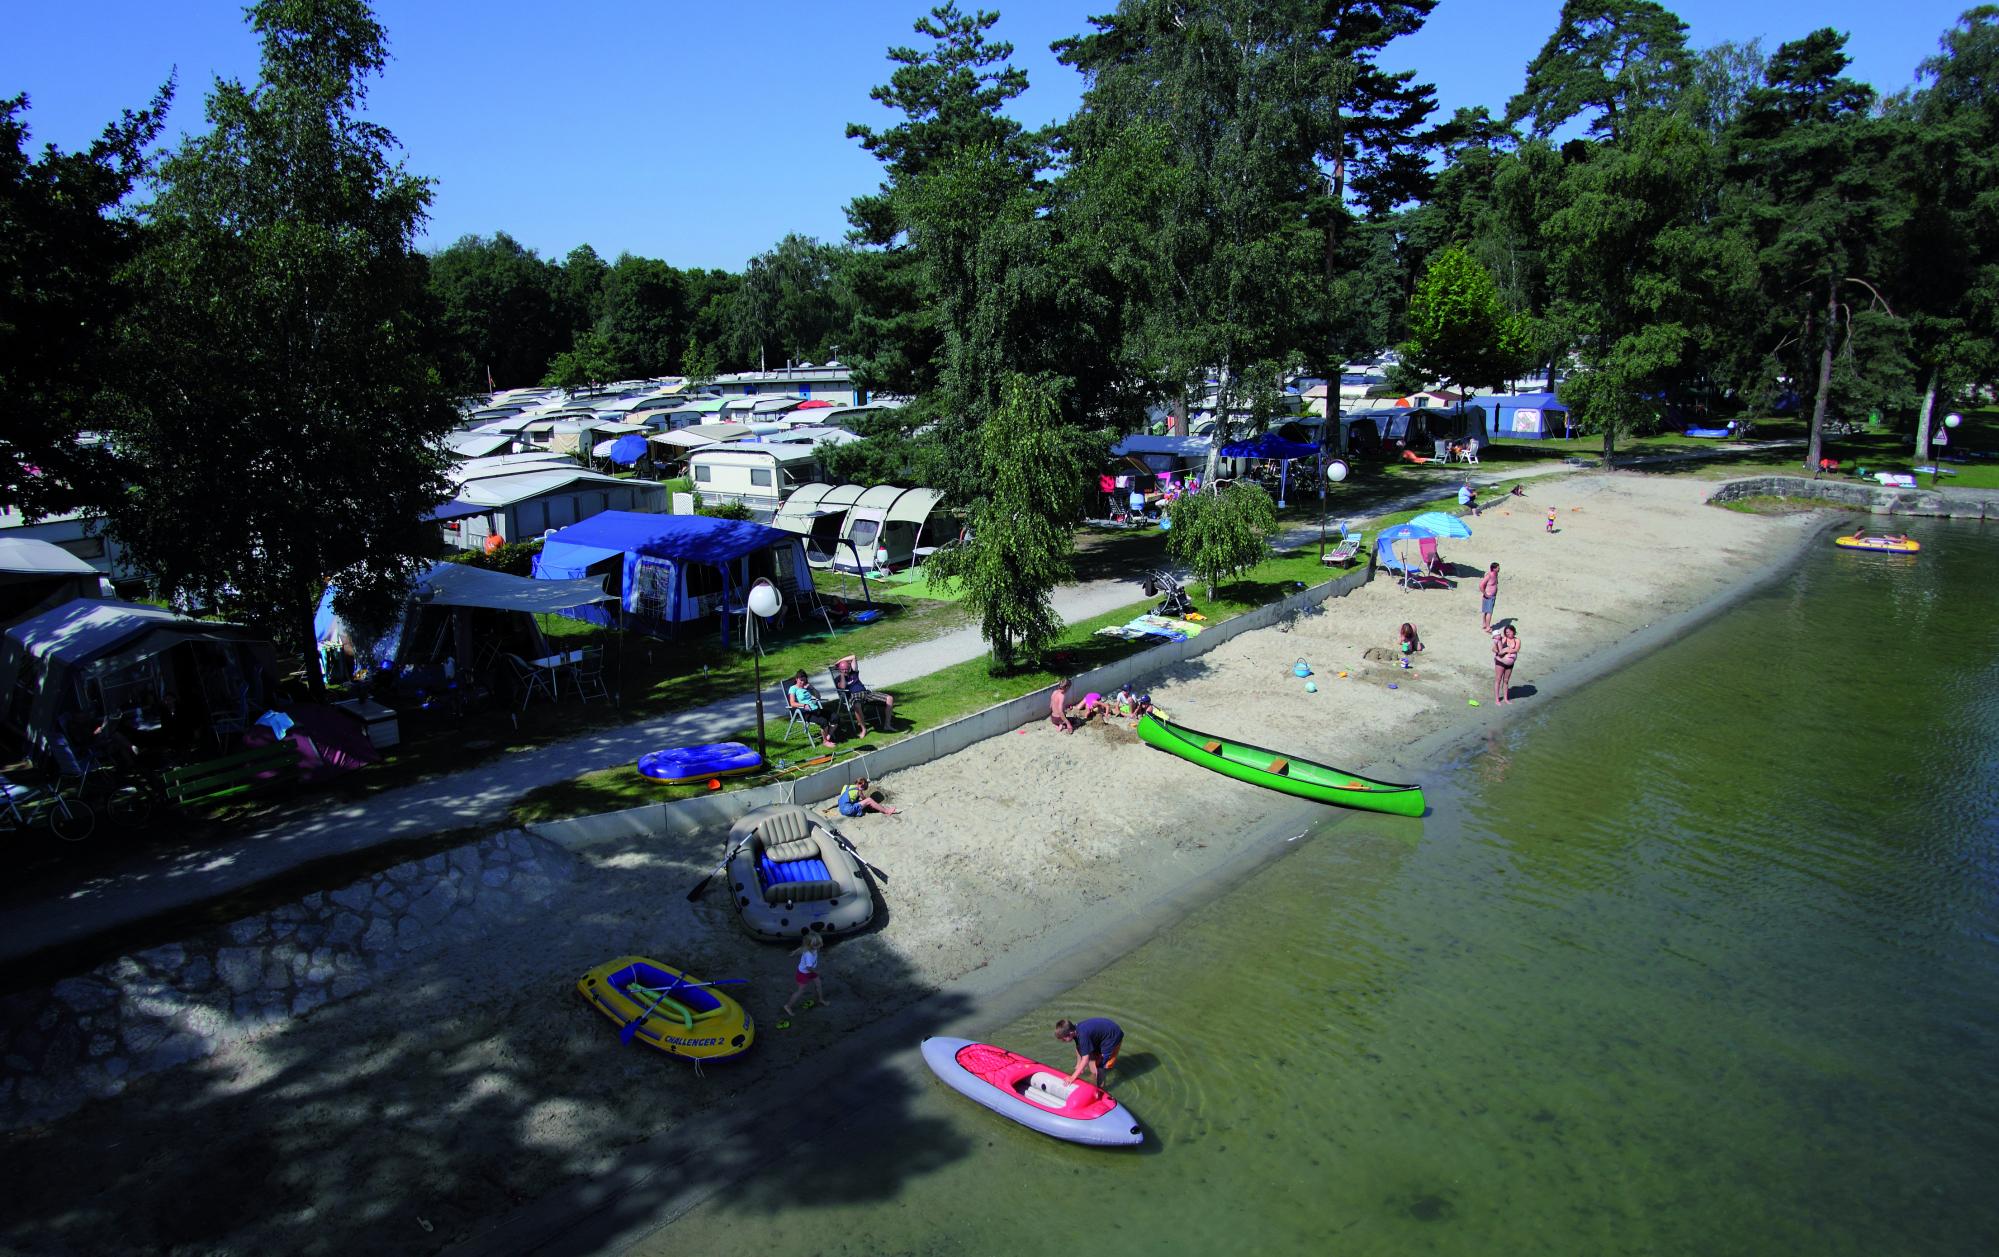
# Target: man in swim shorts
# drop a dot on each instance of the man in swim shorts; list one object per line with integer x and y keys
{"x": 1096, "y": 1041}
{"x": 1488, "y": 596}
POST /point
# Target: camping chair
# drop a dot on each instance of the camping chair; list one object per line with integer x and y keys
{"x": 529, "y": 680}
{"x": 796, "y": 712}
{"x": 235, "y": 720}
{"x": 853, "y": 705}
{"x": 588, "y": 673}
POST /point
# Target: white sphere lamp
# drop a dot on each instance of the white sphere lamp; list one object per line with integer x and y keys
{"x": 1336, "y": 471}
{"x": 764, "y": 599}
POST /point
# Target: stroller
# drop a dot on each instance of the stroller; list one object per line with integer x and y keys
{"x": 1176, "y": 602}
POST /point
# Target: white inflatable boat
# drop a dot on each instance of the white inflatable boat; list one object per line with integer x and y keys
{"x": 1030, "y": 1093}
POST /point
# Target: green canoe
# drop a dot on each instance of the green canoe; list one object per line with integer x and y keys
{"x": 1261, "y": 767}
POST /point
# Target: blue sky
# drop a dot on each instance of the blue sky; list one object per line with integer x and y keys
{"x": 702, "y": 133}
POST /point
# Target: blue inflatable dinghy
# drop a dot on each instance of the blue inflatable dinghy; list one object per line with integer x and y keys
{"x": 679, "y": 764}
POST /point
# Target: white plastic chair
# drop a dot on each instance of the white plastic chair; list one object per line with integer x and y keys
{"x": 1471, "y": 450}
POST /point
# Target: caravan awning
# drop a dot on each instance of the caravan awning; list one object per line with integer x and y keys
{"x": 1180, "y": 446}
{"x": 457, "y": 508}
{"x": 913, "y": 507}
{"x": 461, "y": 585}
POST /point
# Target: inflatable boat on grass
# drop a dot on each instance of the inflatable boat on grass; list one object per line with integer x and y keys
{"x": 1033, "y": 1094}
{"x": 675, "y": 1011}
{"x": 790, "y": 873}
{"x": 1266, "y": 768}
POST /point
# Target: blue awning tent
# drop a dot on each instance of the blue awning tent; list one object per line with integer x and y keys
{"x": 1524, "y": 416}
{"x": 1269, "y": 445}
{"x": 671, "y": 569}
{"x": 1272, "y": 446}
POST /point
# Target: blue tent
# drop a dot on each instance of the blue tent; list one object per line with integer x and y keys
{"x": 672, "y": 569}
{"x": 1524, "y": 416}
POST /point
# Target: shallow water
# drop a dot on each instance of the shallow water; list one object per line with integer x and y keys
{"x": 1700, "y": 959}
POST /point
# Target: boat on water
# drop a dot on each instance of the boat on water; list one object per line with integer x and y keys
{"x": 1880, "y": 543}
{"x": 676, "y": 1012}
{"x": 790, "y": 873}
{"x": 1272, "y": 770}
{"x": 1035, "y": 1095}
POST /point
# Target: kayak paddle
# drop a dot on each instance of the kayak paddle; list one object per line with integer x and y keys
{"x": 702, "y": 885}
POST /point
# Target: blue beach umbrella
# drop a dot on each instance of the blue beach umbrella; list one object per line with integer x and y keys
{"x": 1442, "y": 525}
{"x": 1410, "y": 531}
{"x": 628, "y": 449}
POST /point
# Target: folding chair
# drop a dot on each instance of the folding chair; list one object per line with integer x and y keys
{"x": 530, "y": 680}
{"x": 797, "y": 713}
{"x": 588, "y": 673}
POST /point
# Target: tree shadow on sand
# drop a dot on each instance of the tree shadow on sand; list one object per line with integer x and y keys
{"x": 472, "y": 1080}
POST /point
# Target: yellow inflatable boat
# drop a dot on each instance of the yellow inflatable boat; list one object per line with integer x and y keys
{"x": 1885, "y": 543}
{"x": 669, "y": 1009}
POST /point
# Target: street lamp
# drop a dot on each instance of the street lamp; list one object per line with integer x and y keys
{"x": 1336, "y": 471}
{"x": 1942, "y": 438}
{"x": 764, "y": 602}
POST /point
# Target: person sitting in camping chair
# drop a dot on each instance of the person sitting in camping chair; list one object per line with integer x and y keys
{"x": 848, "y": 685}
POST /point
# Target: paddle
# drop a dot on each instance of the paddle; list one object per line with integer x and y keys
{"x": 702, "y": 885}
{"x": 848, "y": 847}
{"x": 631, "y": 1028}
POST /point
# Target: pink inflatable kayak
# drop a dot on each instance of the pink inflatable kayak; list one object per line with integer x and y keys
{"x": 1030, "y": 1093}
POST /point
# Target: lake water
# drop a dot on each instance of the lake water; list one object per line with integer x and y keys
{"x": 1701, "y": 959}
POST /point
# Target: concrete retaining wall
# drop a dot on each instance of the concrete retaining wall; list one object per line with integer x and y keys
{"x": 714, "y": 812}
{"x": 1946, "y": 503}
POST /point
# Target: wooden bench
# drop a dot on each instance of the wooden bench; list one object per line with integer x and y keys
{"x": 1279, "y": 766}
{"x": 225, "y": 778}
{"x": 1212, "y": 748}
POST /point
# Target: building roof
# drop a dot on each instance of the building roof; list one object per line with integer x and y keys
{"x": 508, "y": 490}
{"x": 829, "y": 373}
{"x": 505, "y": 464}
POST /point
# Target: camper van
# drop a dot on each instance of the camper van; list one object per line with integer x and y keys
{"x": 758, "y": 476}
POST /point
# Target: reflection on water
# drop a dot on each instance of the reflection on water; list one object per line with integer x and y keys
{"x": 1700, "y": 960}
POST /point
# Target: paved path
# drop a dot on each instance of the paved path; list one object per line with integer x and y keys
{"x": 151, "y": 884}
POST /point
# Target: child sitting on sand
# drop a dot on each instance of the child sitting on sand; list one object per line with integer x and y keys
{"x": 1407, "y": 642}
{"x": 857, "y": 800}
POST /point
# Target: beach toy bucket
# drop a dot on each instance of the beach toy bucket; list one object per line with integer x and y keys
{"x": 1301, "y": 669}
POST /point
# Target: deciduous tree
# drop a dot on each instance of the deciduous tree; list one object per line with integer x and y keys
{"x": 63, "y": 243}
{"x": 1022, "y": 526}
{"x": 291, "y": 428}
{"x": 1223, "y": 533}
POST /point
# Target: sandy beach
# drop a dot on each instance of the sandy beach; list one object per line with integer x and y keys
{"x": 428, "y": 1104}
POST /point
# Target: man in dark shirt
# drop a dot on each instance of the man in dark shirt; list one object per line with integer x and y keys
{"x": 1096, "y": 1042}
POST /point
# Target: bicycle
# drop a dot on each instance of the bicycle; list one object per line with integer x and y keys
{"x": 127, "y": 800}
{"x": 70, "y": 820}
